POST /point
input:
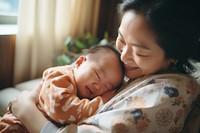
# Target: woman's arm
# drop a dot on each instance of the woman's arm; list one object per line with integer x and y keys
{"x": 24, "y": 108}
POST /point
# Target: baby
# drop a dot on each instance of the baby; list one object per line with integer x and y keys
{"x": 70, "y": 94}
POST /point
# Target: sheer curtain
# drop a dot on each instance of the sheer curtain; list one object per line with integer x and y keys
{"x": 43, "y": 27}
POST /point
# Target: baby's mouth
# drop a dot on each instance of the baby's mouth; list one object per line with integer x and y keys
{"x": 88, "y": 89}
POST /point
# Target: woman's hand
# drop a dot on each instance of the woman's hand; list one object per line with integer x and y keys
{"x": 25, "y": 109}
{"x": 25, "y": 101}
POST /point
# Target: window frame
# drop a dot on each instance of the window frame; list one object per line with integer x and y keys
{"x": 9, "y": 12}
{"x": 8, "y": 19}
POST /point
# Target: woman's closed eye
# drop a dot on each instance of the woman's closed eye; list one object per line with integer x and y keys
{"x": 142, "y": 55}
{"x": 140, "y": 52}
{"x": 121, "y": 40}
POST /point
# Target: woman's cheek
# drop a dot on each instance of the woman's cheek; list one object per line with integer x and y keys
{"x": 139, "y": 61}
{"x": 119, "y": 45}
{"x": 143, "y": 64}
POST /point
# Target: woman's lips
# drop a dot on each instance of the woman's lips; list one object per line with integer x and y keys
{"x": 129, "y": 68}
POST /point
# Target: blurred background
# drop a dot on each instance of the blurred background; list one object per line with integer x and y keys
{"x": 37, "y": 34}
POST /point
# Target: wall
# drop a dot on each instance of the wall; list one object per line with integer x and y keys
{"x": 108, "y": 18}
{"x": 7, "y": 47}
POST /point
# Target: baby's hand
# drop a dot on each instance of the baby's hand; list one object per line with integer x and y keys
{"x": 108, "y": 95}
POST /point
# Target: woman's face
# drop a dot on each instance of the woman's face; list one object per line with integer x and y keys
{"x": 139, "y": 50}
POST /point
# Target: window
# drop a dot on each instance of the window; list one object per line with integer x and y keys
{"x": 8, "y": 11}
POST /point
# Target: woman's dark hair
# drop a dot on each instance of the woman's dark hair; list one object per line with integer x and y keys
{"x": 177, "y": 26}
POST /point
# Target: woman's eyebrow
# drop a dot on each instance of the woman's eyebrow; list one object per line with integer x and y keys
{"x": 140, "y": 46}
{"x": 137, "y": 45}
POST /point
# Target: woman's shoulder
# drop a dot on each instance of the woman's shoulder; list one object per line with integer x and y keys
{"x": 169, "y": 82}
{"x": 176, "y": 78}
{"x": 172, "y": 79}
{"x": 182, "y": 82}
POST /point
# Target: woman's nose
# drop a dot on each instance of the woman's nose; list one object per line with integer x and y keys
{"x": 126, "y": 54}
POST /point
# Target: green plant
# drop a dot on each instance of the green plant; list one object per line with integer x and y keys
{"x": 74, "y": 47}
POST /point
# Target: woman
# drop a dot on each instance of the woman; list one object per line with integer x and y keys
{"x": 158, "y": 41}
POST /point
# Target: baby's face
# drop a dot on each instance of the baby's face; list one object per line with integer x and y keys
{"x": 97, "y": 75}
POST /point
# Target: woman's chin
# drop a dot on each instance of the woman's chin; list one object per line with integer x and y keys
{"x": 133, "y": 74}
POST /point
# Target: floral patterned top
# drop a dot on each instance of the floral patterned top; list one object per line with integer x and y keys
{"x": 150, "y": 104}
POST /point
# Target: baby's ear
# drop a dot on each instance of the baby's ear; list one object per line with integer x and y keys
{"x": 80, "y": 60}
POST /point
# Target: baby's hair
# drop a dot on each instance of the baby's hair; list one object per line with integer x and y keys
{"x": 108, "y": 48}
{"x": 105, "y": 47}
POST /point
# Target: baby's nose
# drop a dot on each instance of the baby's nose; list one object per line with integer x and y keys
{"x": 96, "y": 87}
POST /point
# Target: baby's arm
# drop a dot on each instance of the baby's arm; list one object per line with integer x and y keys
{"x": 60, "y": 101}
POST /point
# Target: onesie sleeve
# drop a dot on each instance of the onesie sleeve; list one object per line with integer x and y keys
{"x": 60, "y": 100}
